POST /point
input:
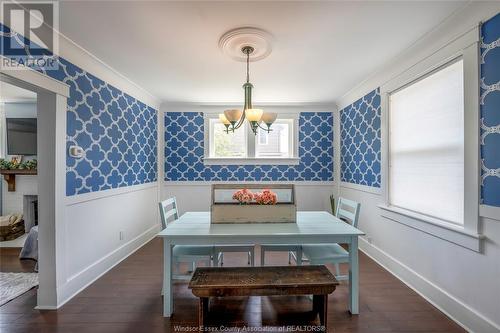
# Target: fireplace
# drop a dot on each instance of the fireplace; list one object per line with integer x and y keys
{"x": 30, "y": 211}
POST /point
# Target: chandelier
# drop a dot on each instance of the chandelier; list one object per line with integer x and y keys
{"x": 235, "y": 118}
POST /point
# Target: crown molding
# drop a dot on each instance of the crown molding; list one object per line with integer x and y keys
{"x": 219, "y": 107}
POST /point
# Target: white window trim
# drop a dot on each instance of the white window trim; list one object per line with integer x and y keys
{"x": 251, "y": 159}
{"x": 467, "y": 48}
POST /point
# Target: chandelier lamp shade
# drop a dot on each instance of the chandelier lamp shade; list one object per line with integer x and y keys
{"x": 235, "y": 118}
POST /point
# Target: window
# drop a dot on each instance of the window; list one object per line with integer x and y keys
{"x": 228, "y": 145}
{"x": 278, "y": 142}
{"x": 430, "y": 144}
{"x": 279, "y": 146}
{"x": 426, "y": 145}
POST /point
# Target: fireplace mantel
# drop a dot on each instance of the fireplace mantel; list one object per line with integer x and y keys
{"x": 10, "y": 176}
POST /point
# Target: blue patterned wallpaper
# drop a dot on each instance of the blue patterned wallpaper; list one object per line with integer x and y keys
{"x": 490, "y": 112}
{"x": 117, "y": 132}
{"x": 360, "y": 141}
{"x": 184, "y": 135}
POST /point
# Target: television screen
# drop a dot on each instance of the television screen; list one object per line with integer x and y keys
{"x": 21, "y": 136}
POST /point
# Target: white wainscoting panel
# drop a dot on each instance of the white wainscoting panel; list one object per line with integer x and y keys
{"x": 460, "y": 282}
{"x": 102, "y": 232}
{"x": 197, "y": 197}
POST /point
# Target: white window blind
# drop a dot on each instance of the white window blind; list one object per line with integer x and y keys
{"x": 426, "y": 145}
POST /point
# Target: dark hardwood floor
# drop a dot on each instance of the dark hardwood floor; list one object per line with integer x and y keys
{"x": 127, "y": 299}
{"x": 9, "y": 261}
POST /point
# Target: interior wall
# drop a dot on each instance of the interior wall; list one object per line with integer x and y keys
{"x": 20, "y": 109}
{"x": 12, "y": 202}
{"x": 110, "y": 194}
{"x": 184, "y": 152}
{"x": 461, "y": 282}
{"x": 490, "y": 114}
{"x": 103, "y": 229}
{"x": 187, "y": 178}
{"x": 193, "y": 197}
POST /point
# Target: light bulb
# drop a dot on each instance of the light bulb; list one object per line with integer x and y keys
{"x": 223, "y": 119}
{"x": 253, "y": 114}
{"x": 233, "y": 115}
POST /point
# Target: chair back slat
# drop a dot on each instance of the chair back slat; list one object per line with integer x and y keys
{"x": 169, "y": 201}
{"x": 345, "y": 214}
{"x": 348, "y": 210}
{"x": 168, "y": 209}
{"x": 172, "y": 212}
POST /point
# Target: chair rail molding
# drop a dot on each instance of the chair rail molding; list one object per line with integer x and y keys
{"x": 79, "y": 198}
{"x": 490, "y": 212}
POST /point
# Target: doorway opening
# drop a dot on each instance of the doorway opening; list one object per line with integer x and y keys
{"x": 19, "y": 188}
{"x": 32, "y": 148}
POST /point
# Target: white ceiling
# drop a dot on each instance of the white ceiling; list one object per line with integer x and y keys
{"x": 321, "y": 49}
{"x": 10, "y": 93}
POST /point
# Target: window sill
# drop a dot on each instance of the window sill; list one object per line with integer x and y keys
{"x": 435, "y": 227}
{"x": 251, "y": 161}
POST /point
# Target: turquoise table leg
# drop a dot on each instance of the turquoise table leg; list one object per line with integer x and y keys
{"x": 168, "y": 297}
{"x": 353, "y": 276}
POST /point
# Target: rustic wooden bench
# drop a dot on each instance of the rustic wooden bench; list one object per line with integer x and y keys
{"x": 264, "y": 281}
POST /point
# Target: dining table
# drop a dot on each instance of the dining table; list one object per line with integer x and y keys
{"x": 311, "y": 227}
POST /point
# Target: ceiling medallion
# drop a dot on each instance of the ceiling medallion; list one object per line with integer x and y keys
{"x": 233, "y": 41}
{"x": 246, "y": 44}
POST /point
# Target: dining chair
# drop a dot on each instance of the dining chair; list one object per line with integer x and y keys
{"x": 248, "y": 249}
{"x": 321, "y": 254}
{"x": 294, "y": 252}
{"x": 184, "y": 253}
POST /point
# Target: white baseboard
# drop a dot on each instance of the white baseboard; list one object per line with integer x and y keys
{"x": 455, "y": 309}
{"x": 46, "y": 307}
{"x": 78, "y": 282}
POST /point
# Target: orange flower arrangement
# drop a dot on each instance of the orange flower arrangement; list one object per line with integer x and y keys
{"x": 266, "y": 197}
{"x": 243, "y": 196}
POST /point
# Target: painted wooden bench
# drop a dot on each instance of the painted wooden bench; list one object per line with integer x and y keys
{"x": 264, "y": 281}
